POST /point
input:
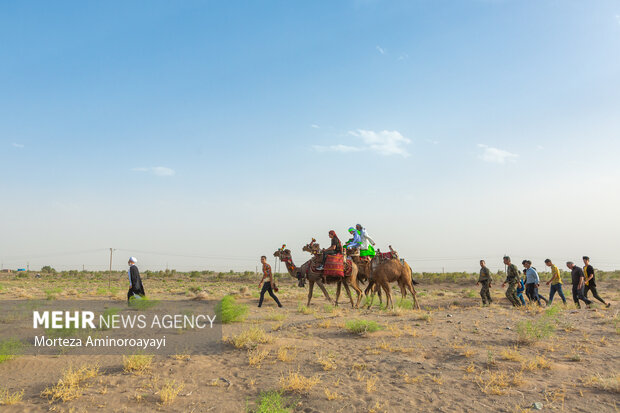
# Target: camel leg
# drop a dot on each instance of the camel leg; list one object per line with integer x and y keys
{"x": 353, "y": 281}
{"x": 358, "y": 290}
{"x": 310, "y": 288}
{"x": 388, "y": 293}
{"x": 338, "y": 286}
{"x": 319, "y": 282}
{"x": 372, "y": 294}
{"x": 413, "y": 293}
{"x": 346, "y": 288}
{"x": 389, "y": 300}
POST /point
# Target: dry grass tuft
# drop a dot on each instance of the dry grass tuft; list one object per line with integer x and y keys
{"x": 256, "y": 357}
{"x": 284, "y": 354}
{"x": 497, "y": 383}
{"x": 251, "y": 338}
{"x": 331, "y": 395}
{"x": 297, "y": 383}
{"x": 328, "y": 362}
{"x": 512, "y": 354}
{"x": 169, "y": 391}
{"x": 137, "y": 364}
{"x": 611, "y": 384}
{"x": 539, "y": 363}
{"x": 8, "y": 399}
{"x": 371, "y": 384}
{"x": 72, "y": 383}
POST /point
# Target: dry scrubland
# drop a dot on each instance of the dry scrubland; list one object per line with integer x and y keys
{"x": 452, "y": 355}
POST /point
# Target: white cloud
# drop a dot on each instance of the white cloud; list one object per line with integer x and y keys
{"x": 540, "y": 147}
{"x": 403, "y": 56}
{"x": 156, "y": 170}
{"x": 384, "y": 142}
{"x": 432, "y": 141}
{"x": 381, "y": 50}
{"x": 336, "y": 148}
{"x": 495, "y": 155}
{"x": 315, "y": 126}
{"x": 18, "y": 145}
{"x": 618, "y": 18}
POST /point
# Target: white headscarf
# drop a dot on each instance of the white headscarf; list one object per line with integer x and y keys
{"x": 133, "y": 260}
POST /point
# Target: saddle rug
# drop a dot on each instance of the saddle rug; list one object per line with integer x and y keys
{"x": 386, "y": 255}
{"x": 334, "y": 266}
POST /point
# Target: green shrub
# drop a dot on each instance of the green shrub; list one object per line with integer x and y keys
{"x": 530, "y": 331}
{"x": 107, "y": 316}
{"x": 362, "y": 326}
{"x": 229, "y": 311}
{"x": 9, "y": 348}
{"x": 50, "y": 294}
{"x": 142, "y": 303}
{"x": 272, "y": 402}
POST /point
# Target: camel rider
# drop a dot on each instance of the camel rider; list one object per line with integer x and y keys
{"x": 356, "y": 241}
{"x": 367, "y": 249}
{"x": 334, "y": 249}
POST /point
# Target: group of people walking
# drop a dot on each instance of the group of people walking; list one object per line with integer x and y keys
{"x": 583, "y": 281}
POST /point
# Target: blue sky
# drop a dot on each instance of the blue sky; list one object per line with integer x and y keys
{"x": 205, "y": 130}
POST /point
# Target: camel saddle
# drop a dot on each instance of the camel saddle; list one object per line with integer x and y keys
{"x": 387, "y": 255}
{"x": 334, "y": 266}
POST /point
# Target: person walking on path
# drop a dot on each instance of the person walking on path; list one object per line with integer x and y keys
{"x": 269, "y": 285}
{"x": 136, "y": 289}
{"x": 555, "y": 281}
{"x": 512, "y": 278}
{"x": 590, "y": 283}
{"x": 485, "y": 279}
{"x": 579, "y": 280}
{"x": 532, "y": 281}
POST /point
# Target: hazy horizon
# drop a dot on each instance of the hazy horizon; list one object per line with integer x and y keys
{"x": 201, "y": 135}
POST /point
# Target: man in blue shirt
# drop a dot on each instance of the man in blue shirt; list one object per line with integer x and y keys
{"x": 532, "y": 280}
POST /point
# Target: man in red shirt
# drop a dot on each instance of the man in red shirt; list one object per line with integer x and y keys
{"x": 269, "y": 285}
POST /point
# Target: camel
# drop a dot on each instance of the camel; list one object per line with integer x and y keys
{"x": 317, "y": 277}
{"x": 387, "y": 272}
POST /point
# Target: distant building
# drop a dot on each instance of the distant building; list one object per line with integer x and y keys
{"x": 7, "y": 271}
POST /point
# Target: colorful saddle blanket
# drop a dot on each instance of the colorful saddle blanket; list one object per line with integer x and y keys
{"x": 387, "y": 255}
{"x": 334, "y": 266}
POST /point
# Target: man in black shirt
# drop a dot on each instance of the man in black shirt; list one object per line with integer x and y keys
{"x": 590, "y": 284}
{"x": 578, "y": 280}
{"x": 136, "y": 289}
{"x": 334, "y": 249}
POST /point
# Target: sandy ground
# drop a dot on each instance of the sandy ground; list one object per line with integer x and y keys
{"x": 453, "y": 355}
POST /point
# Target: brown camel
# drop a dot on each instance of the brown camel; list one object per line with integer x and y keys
{"x": 389, "y": 271}
{"x": 363, "y": 265}
{"x": 317, "y": 277}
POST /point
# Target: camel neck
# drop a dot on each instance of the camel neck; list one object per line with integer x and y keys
{"x": 290, "y": 267}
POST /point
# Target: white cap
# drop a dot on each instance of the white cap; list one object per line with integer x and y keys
{"x": 133, "y": 259}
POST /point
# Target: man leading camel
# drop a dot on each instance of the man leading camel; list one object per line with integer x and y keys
{"x": 512, "y": 278}
{"x": 268, "y": 286}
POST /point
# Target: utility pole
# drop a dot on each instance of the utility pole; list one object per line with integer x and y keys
{"x": 110, "y": 273}
{"x": 28, "y": 266}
